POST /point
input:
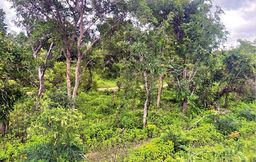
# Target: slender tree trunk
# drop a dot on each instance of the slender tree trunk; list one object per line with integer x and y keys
{"x": 81, "y": 10}
{"x": 41, "y": 81}
{"x": 42, "y": 69}
{"x": 3, "y": 128}
{"x": 68, "y": 73}
{"x": 160, "y": 89}
{"x": 147, "y": 101}
{"x": 185, "y": 105}
{"x": 35, "y": 55}
{"x": 185, "y": 101}
{"x": 185, "y": 73}
{"x": 77, "y": 75}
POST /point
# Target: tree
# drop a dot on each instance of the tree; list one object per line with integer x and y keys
{"x": 41, "y": 41}
{"x": 238, "y": 70}
{"x": 198, "y": 32}
{"x": 76, "y": 27}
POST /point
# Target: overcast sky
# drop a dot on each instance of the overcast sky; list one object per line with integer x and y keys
{"x": 239, "y": 18}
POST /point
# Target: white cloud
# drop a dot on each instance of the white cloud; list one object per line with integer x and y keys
{"x": 239, "y": 19}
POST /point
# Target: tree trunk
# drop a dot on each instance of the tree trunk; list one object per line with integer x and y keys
{"x": 185, "y": 105}
{"x": 77, "y": 75}
{"x": 185, "y": 101}
{"x": 3, "y": 128}
{"x": 68, "y": 71}
{"x": 79, "y": 52}
{"x": 41, "y": 81}
{"x": 185, "y": 73}
{"x": 147, "y": 101}
{"x": 41, "y": 68}
{"x": 160, "y": 89}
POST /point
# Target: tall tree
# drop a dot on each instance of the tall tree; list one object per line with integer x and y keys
{"x": 198, "y": 32}
{"x": 76, "y": 27}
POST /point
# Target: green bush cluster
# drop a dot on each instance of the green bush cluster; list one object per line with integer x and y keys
{"x": 156, "y": 150}
{"x": 55, "y": 136}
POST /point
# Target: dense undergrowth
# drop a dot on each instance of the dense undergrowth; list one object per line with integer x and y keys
{"x": 97, "y": 124}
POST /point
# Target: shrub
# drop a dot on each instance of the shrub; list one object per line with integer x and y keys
{"x": 156, "y": 150}
{"x": 227, "y": 124}
{"x": 130, "y": 120}
{"x": 10, "y": 149}
{"x": 248, "y": 114}
{"x": 178, "y": 136}
{"x": 59, "y": 98}
{"x": 102, "y": 105}
{"x": 152, "y": 130}
{"x": 163, "y": 118}
{"x": 204, "y": 134}
{"x": 54, "y": 136}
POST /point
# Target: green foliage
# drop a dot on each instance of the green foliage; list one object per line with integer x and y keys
{"x": 208, "y": 137}
{"x": 227, "y": 124}
{"x": 104, "y": 104}
{"x": 249, "y": 114}
{"x": 153, "y": 130}
{"x": 155, "y": 150}
{"x": 59, "y": 99}
{"x": 205, "y": 134}
{"x": 130, "y": 120}
{"x": 104, "y": 83}
{"x": 15, "y": 65}
{"x": 177, "y": 136}
{"x": 55, "y": 136}
{"x": 55, "y": 77}
{"x": 20, "y": 118}
{"x": 104, "y": 125}
{"x": 163, "y": 118}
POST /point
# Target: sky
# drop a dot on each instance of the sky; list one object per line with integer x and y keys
{"x": 239, "y": 18}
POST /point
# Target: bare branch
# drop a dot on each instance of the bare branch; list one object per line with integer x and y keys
{"x": 36, "y": 51}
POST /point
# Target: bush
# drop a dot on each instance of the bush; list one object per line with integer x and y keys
{"x": 178, "y": 136}
{"x": 156, "y": 150}
{"x": 227, "y": 124}
{"x": 59, "y": 98}
{"x": 102, "y": 105}
{"x": 54, "y": 136}
{"x": 10, "y": 149}
{"x": 152, "y": 130}
{"x": 163, "y": 118}
{"x": 205, "y": 134}
{"x": 248, "y": 114}
{"x": 130, "y": 120}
